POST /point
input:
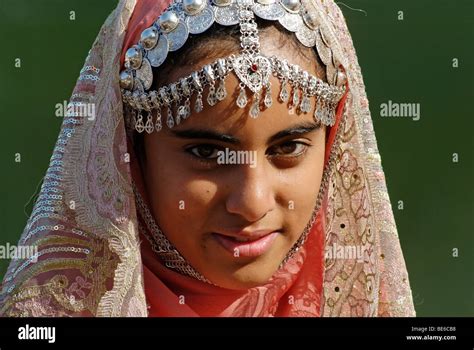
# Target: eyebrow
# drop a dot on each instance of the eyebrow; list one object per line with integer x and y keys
{"x": 299, "y": 129}
{"x": 205, "y": 134}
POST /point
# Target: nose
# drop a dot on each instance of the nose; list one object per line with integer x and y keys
{"x": 252, "y": 194}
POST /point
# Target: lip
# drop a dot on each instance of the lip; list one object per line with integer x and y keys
{"x": 259, "y": 242}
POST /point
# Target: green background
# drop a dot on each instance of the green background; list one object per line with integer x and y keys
{"x": 403, "y": 61}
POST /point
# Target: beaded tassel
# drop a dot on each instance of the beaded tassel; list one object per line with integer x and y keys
{"x": 268, "y": 96}
{"x": 198, "y": 105}
{"x": 284, "y": 94}
{"x": 296, "y": 97}
{"x": 158, "y": 124}
{"x": 322, "y": 113}
{"x": 139, "y": 126}
{"x": 149, "y": 124}
{"x": 170, "y": 120}
{"x": 255, "y": 109}
{"x": 211, "y": 97}
{"x": 305, "y": 106}
{"x": 318, "y": 116}
{"x": 221, "y": 93}
{"x": 178, "y": 115}
{"x": 183, "y": 112}
{"x": 186, "y": 109}
{"x": 242, "y": 99}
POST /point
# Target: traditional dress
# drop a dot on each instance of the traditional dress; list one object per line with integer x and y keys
{"x": 100, "y": 252}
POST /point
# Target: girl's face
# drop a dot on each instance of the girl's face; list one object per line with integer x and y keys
{"x": 235, "y": 219}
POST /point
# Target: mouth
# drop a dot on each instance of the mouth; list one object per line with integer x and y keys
{"x": 247, "y": 245}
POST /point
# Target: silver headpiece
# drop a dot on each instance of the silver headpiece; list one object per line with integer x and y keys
{"x": 253, "y": 70}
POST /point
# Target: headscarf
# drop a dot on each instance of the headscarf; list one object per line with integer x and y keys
{"x": 92, "y": 261}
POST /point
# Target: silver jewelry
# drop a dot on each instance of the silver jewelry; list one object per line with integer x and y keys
{"x": 253, "y": 70}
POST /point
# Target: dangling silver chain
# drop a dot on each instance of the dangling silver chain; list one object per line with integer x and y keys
{"x": 249, "y": 40}
{"x": 161, "y": 245}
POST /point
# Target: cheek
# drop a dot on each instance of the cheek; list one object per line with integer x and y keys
{"x": 180, "y": 201}
{"x": 299, "y": 191}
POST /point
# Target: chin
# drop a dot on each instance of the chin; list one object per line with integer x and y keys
{"x": 237, "y": 284}
{"x": 244, "y": 278}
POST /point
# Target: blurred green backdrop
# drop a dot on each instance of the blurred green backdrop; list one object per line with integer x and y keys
{"x": 407, "y": 60}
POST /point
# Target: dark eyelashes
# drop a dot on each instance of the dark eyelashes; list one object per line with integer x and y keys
{"x": 208, "y": 152}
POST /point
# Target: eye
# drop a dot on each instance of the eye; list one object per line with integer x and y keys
{"x": 288, "y": 149}
{"x": 204, "y": 151}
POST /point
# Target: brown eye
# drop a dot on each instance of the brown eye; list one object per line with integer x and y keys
{"x": 204, "y": 151}
{"x": 291, "y": 149}
{"x": 288, "y": 148}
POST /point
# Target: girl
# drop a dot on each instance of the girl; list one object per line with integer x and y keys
{"x": 231, "y": 170}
